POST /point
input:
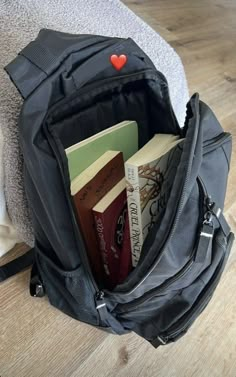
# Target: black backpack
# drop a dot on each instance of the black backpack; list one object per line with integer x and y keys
{"x": 72, "y": 91}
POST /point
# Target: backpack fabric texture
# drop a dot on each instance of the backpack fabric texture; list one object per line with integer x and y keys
{"x": 71, "y": 91}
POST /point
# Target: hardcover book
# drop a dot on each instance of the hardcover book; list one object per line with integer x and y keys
{"x": 125, "y": 257}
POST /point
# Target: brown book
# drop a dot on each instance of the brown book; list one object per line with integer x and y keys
{"x": 109, "y": 215}
{"x": 87, "y": 190}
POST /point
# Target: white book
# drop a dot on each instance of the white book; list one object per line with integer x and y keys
{"x": 149, "y": 177}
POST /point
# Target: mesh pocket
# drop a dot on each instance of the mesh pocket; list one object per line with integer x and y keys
{"x": 69, "y": 291}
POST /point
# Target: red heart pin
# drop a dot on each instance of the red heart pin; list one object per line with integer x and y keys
{"x": 118, "y": 62}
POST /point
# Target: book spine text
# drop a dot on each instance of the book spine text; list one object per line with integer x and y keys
{"x": 102, "y": 242}
{"x": 134, "y": 212}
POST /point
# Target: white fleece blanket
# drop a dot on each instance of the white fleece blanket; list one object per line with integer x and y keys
{"x": 21, "y": 21}
{"x": 8, "y": 236}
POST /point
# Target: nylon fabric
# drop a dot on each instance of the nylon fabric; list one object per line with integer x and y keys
{"x": 71, "y": 92}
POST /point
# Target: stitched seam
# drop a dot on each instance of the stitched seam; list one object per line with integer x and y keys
{"x": 225, "y": 156}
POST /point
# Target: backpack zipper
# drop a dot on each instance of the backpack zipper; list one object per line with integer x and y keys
{"x": 204, "y": 218}
{"x": 216, "y": 142}
{"x": 156, "y": 291}
{"x": 133, "y": 305}
{"x": 220, "y": 139}
{"x": 168, "y": 238}
{"x": 171, "y": 335}
{"x": 147, "y": 73}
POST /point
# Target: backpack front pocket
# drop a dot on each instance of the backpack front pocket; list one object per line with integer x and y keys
{"x": 180, "y": 327}
{"x": 173, "y": 322}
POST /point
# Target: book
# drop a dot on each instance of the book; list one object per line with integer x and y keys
{"x": 87, "y": 190}
{"x": 125, "y": 256}
{"x": 109, "y": 215}
{"x": 120, "y": 137}
{"x": 149, "y": 176}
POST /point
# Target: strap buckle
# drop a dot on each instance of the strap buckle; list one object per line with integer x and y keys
{"x": 36, "y": 287}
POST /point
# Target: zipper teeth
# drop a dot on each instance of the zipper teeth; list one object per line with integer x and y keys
{"x": 189, "y": 321}
{"x": 183, "y": 327}
{"x": 220, "y": 139}
{"x": 131, "y": 307}
{"x": 94, "y": 85}
{"x": 203, "y": 186}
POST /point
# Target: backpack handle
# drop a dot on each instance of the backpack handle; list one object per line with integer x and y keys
{"x": 51, "y": 49}
{"x": 40, "y": 58}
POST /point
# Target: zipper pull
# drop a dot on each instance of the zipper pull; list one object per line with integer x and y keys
{"x": 99, "y": 298}
{"x": 159, "y": 341}
{"x": 101, "y": 308}
{"x": 217, "y": 212}
{"x": 205, "y": 239}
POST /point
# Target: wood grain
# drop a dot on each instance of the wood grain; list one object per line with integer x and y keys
{"x": 38, "y": 340}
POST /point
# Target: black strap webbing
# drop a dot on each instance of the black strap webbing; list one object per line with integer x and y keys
{"x": 16, "y": 265}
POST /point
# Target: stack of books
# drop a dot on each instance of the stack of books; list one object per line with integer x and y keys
{"x": 119, "y": 192}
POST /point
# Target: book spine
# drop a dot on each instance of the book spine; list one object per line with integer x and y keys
{"x": 101, "y": 237}
{"x": 87, "y": 197}
{"x": 125, "y": 257}
{"x": 134, "y": 211}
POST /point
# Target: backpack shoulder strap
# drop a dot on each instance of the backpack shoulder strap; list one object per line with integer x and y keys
{"x": 17, "y": 265}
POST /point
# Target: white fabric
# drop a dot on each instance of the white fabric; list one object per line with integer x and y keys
{"x": 8, "y": 235}
{"x": 21, "y": 21}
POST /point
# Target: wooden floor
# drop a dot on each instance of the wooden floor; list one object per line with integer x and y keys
{"x": 37, "y": 340}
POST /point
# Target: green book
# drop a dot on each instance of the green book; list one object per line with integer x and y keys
{"x": 121, "y": 137}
